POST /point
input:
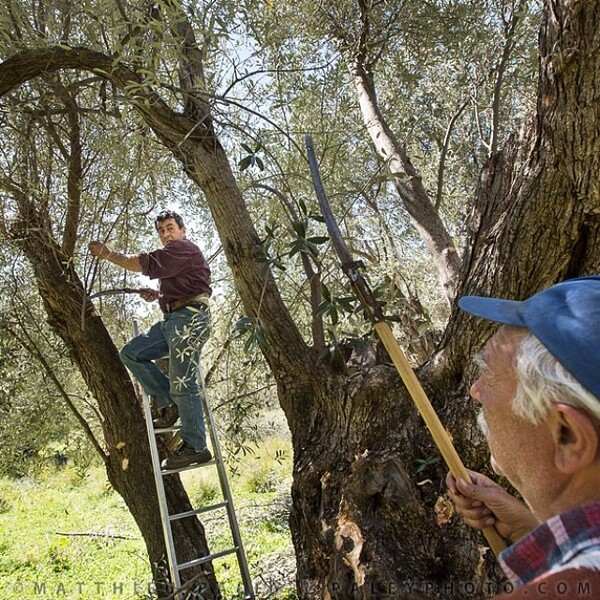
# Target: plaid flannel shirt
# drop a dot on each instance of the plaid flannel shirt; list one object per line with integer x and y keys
{"x": 568, "y": 540}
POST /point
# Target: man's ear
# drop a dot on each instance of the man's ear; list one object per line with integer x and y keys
{"x": 576, "y": 438}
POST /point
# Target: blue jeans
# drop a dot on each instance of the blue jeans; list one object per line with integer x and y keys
{"x": 180, "y": 336}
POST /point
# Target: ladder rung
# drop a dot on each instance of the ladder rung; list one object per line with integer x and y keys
{"x": 195, "y": 466}
{"x": 204, "y": 559}
{"x": 198, "y": 511}
{"x": 171, "y": 429}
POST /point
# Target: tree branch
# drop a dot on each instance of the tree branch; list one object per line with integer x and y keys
{"x": 313, "y": 277}
{"x": 501, "y": 71}
{"x": 26, "y": 65}
{"x": 74, "y": 169}
{"x": 29, "y": 344}
{"x": 115, "y": 536}
{"x": 444, "y": 152}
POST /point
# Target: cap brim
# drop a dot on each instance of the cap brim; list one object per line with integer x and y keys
{"x": 494, "y": 309}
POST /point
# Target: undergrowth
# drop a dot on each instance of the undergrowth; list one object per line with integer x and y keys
{"x": 67, "y": 534}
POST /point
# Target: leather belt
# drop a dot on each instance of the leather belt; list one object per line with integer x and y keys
{"x": 177, "y": 304}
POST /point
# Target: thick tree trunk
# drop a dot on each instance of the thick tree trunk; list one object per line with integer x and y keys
{"x": 536, "y": 221}
{"x": 537, "y": 211}
{"x": 127, "y": 456}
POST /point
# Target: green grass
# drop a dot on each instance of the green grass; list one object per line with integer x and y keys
{"x": 64, "y": 536}
{"x": 41, "y": 558}
{"x": 260, "y": 486}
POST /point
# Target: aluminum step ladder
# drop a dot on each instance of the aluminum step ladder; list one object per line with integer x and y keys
{"x": 166, "y": 518}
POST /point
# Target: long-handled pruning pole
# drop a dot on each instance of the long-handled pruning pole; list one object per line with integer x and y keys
{"x": 373, "y": 310}
{"x": 113, "y": 291}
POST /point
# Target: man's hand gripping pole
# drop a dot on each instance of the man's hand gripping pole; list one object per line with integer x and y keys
{"x": 372, "y": 307}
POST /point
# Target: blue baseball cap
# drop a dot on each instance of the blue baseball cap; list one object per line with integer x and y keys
{"x": 565, "y": 318}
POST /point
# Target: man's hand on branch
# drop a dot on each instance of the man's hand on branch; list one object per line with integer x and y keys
{"x": 131, "y": 263}
{"x": 148, "y": 294}
{"x": 99, "y": 249}
{"x": 483, "y": 503}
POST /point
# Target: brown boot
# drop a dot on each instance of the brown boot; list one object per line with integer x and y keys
{"x": 185, "y": 457}
{"x": 167, "y": 417}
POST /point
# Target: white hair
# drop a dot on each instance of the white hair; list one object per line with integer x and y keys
{"x": 543, "y": 381}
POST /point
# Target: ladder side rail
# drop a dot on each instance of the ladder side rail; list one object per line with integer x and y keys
{"x": 226, "y": 491}
{"x": 160, "y": 488}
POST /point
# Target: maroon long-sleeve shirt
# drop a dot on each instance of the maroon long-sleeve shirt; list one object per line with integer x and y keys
{"x": 181, "y": 269}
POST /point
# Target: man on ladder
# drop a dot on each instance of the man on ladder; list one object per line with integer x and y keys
{"x": 183, "y": 295}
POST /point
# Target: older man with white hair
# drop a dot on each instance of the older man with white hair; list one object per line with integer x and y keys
{"x": 539, "y": 391}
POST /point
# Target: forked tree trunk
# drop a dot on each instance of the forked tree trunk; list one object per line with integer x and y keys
{"x": 535, "y": 221}
{"x": 127, "y": 455}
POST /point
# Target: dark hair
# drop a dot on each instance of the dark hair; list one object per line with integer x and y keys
{"x": 163, "y": 215}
